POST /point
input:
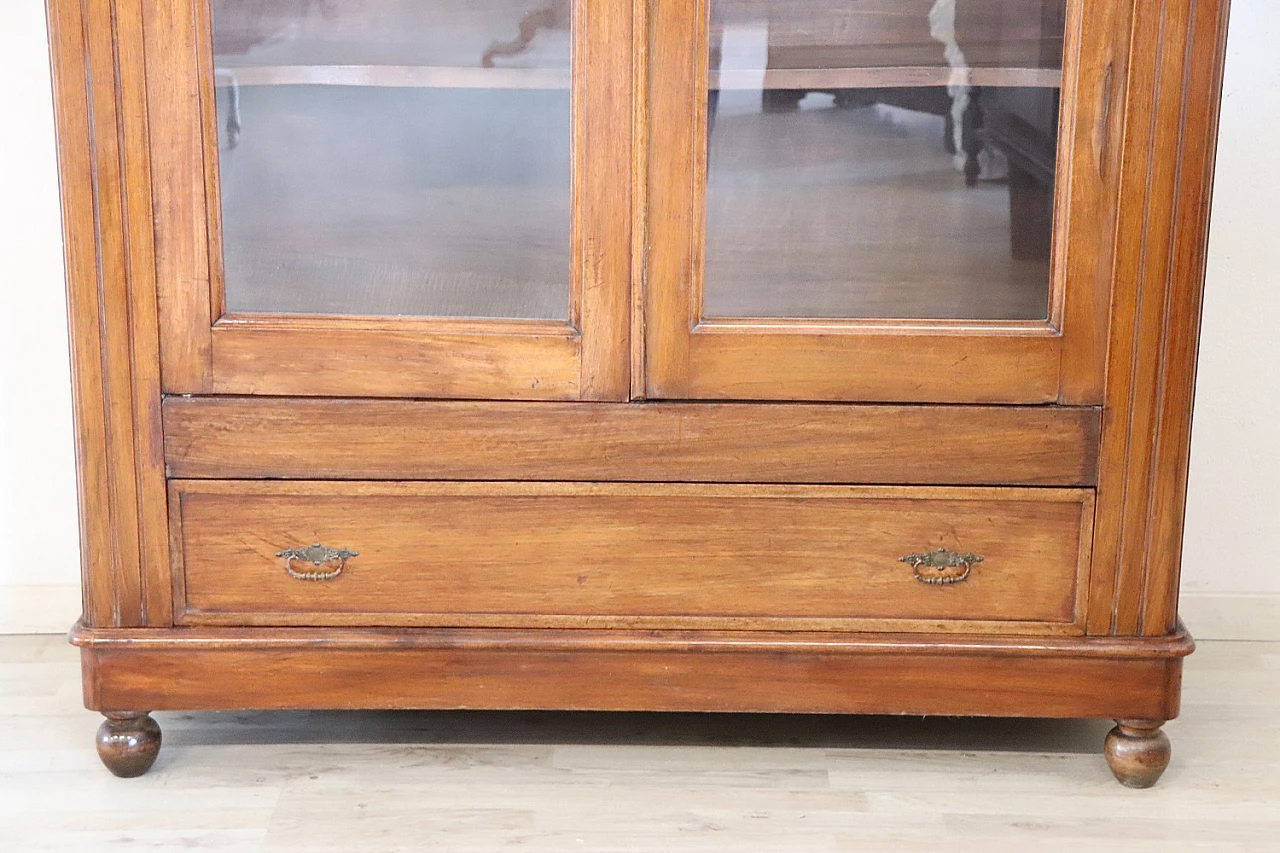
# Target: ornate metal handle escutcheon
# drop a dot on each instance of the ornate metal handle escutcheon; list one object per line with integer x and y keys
{"x": 941, "y": 566}
{"x": 317, "y": 555}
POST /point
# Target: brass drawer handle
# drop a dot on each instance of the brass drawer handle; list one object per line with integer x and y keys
{"x": 941, "y": 566}
{"x": 317, "y": 555}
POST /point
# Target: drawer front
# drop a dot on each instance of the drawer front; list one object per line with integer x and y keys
{"x": 604, "y": 555}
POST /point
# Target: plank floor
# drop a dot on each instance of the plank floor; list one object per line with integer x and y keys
{"x": 416, "y": 781}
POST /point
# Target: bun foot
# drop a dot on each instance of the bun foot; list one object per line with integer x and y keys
{"x": 128, "y": 742}
{"x": 1137, "y": 752}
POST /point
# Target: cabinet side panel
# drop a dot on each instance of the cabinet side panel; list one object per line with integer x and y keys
{"x": 1205, "y": 51}
{"x": 1169, "y": 136}
{"x": 101, "y": 114}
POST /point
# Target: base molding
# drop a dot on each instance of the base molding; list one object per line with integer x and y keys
{"x": 225, "y": 669}
{"x": 46, "y": 609}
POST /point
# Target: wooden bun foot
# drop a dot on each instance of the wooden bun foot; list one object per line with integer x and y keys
{"x": 128, "y": 742}
{"x": 1137, "y": 752}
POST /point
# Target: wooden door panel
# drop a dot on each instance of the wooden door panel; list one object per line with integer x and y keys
{"x": 249, "y": 341}
{"x": 736, "y": 337}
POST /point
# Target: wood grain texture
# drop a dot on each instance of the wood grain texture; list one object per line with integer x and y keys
{"x": 271, "y": 359}
{"x": 617, "y": 670}
{"x": 688, "y": 356}
{"x": 861, "y": 362}
{"x": 585, "y": 358}
{"x": 101, "y": 108}
{"x": 1176, "y": 645}
{"x": 184, "y": 188}
{"x": 1169, "y": 138}
{"x": 256, "y": 438}
{"x": 1091, "y": 124}
{"x": 729, "y": 550}
{"x": 128, "y": 743}
{"x": 626, "y": 555}
{"x": 1138, "y": 752}
{"x": 604, "y": 179}
{"x": 640, "y": 136}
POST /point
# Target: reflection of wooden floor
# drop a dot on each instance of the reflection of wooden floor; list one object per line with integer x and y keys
{"x": 856, "y": 213}
{"x": 453, "y": 203}
{"x": 342, "y": 282}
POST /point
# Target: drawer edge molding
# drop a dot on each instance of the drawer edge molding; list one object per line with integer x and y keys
{"x": 1175, "y": 645}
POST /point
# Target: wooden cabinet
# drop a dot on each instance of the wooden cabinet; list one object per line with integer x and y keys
{"x": 718, "y": 356}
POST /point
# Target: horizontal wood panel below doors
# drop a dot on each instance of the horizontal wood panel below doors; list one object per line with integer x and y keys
{"x": 630, "y": 555}
{"x": 300, "y": 438}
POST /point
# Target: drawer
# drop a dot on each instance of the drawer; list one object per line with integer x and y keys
{"x": 627, "y": 555}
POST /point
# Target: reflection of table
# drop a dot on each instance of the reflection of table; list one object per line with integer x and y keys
{"x": 934, "y": 56}
{"x": 1023, "y": 125}
{"x": 893, "y": 33}
{"x": 429, "y": 33}
{"x": 446, "y": 44}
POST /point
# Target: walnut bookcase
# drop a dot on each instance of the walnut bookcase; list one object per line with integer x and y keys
{"x": 643, "y": 503}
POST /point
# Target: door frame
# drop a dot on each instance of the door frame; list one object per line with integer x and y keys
{"x": 688, "y": 356}
{"x": 206, "y": 350}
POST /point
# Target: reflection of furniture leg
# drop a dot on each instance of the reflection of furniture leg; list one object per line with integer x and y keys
{"x": 971, "y": 138}
{"x": 781, "y": 100}
{"x": 555, "y": 13}
{"x": 1030, "y": 215}
{"x": 713, "y": 95}
{"x": 232, "y": 85}
{"x": 852, "y": 99}
{"x": 949, "y": 134}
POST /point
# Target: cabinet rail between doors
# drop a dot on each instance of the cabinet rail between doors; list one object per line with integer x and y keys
{"x": 367, "y": 439}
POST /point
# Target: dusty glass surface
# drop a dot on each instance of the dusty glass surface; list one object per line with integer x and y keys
{"x": 882, "y": 158}
{"x": 394, "y": 157}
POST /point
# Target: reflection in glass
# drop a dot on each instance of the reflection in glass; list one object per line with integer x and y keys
{"x": 394, "y": 157}
{"x": 882, "y": 158}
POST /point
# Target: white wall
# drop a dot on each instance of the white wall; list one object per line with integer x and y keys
{"x": 1233, "y": 505}
{"x": 1233, "y": 511}
{"x": 1229, "y": 587}
{"x": 39, "y": 556}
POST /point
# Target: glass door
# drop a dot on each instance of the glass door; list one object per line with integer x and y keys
{"x": 878, "y": 200}
{"x": 399, "y": 197}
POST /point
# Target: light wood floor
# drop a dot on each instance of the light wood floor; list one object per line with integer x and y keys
{"x": 829, "y": 212}
{"x": 354, "y": 781}
{"x": 456, "y": 203}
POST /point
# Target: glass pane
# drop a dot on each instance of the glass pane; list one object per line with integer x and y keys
{"x": 394, "y": 157}
{"x": 882, "y": 158}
